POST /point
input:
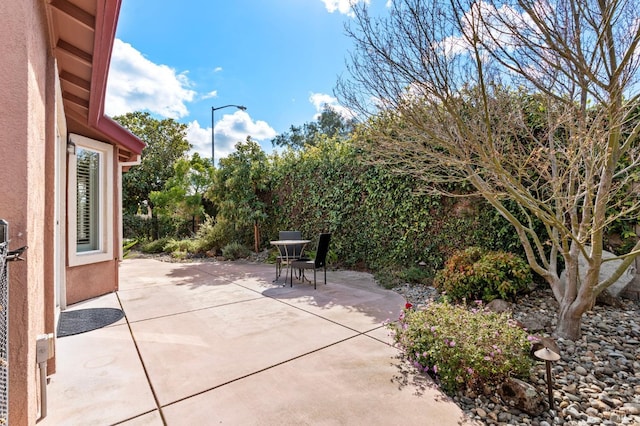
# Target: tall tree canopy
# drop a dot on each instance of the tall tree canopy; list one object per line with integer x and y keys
{"x": 183, "y": 193}
{"x": 524, "y": 100}
{"x": 166, "y": 143}
{"x": 239, "y": 187}
{"x": 329, "y": 124}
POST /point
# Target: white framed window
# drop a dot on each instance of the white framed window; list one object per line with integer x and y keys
{"x": 90, "y": 208}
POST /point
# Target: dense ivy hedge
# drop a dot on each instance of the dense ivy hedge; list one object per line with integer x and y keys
{"x": 378, "y": 219}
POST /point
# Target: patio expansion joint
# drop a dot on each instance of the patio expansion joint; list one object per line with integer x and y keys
{"x": 337, "y": 342}
{"x": 144, "y": 367}
{"x": 322, "y": 317}
{"x": 204, "y": 308}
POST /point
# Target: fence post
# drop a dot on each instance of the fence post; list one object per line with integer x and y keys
{"x": 4, "y": 322}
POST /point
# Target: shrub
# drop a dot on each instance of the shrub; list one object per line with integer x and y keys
{"x": 416, "y": 275}
{"x": 474, "y": 274}
{"x": 127, "y": 245}
{"x": 392, "y": 277}
{"x": 155, "y": 246}
{"x": 463, "y": 348}
{"x": 213, "y": 235}
{"x": 179, "y": 254}
{"x": 179, "y": 246}
{"x": 235, "y": 251}
{"x": 387, "y": 278}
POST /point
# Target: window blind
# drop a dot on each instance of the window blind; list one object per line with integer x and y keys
{"x": 87, "y": 215}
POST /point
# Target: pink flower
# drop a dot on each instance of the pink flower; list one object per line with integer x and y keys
{"x": 452, "y": 343}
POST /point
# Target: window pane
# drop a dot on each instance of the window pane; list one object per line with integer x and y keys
{"x": 88, "y": 208}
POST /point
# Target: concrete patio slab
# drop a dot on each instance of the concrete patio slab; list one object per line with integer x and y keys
{"x": 151, "y": 419}
{"x": 170, "y": 299}
{"x": 192, "y": 352}
{"x": 355, "y": 382}
{"x": 353, "y": 307}
{"x": 100, "y": 379}
{"x": 219, "y": 342}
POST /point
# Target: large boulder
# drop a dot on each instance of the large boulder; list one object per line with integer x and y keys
{"x": 606, "y": 270}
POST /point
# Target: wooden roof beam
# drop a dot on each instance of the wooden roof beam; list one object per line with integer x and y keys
{"x": 74, "y": 12}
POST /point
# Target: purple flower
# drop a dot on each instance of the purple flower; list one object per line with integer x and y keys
{"x": 452, "y": 343}
{"x": 435, "y": 369}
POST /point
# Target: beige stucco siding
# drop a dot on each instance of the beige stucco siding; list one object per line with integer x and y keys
{"x": 24, "y": 66}
{"x": 88, "y": 281}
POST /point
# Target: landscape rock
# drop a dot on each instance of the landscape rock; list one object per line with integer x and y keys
{"x": 499, "y": 306}
{"x": 608, "y": 351}
{"x": 521, "y": 395}
{"x": 606, "y": 270}
{"x": 534, "y": 323}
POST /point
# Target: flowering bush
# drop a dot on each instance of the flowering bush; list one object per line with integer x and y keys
{"x": 477, "y": 274}
{"x": 463, "y": 348}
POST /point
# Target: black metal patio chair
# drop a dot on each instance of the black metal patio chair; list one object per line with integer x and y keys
{"x": 320, "y": 260}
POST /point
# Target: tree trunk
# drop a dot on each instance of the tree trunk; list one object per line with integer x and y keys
{"x": 256, "y": 237}
{"x": 569, "y": 320}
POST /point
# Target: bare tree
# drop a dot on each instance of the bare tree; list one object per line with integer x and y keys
{"x": 531, "y": 101}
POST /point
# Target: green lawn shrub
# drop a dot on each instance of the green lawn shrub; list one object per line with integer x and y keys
{"x": 461, "y": 348}
{"x": 213, "y": 235}
{"x": 391, "y": 277}
{"x": 233, "y": 251}
{"x": 477, "y": 274}
{"x": 180, "y": 249}
{"x": 155, "y": 246}
{"x": 127, "y": 245}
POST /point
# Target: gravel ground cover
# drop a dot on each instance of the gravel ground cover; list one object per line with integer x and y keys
{"x": 596, "y": 381}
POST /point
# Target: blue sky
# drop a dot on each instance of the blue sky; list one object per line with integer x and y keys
{"x": 279, "y": 58}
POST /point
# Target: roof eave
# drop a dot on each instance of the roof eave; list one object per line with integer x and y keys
{"x": 108, "y": 11}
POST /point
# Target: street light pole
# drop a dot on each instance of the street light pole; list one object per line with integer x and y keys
{"x": 213, "y": 140}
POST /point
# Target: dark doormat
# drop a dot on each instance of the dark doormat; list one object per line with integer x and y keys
{"x": 83, "y": 320}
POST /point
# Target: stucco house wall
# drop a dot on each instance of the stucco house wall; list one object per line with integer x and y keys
{"x": 44, "y": 99}
{"x": 24, "y": 99}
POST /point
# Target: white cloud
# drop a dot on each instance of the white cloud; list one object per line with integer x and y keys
{"x": 210, "y": 95}
{"x": 342, "y": 6}
{"x": 230, "y": 129}
{"x": 137, "y": 84}
{"x": 319, "y": 100}
{"x": 217, "y": 69}
{"x": 493, "y": 27}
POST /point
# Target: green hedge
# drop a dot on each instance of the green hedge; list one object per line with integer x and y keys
{"x": 379, "y": 220}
